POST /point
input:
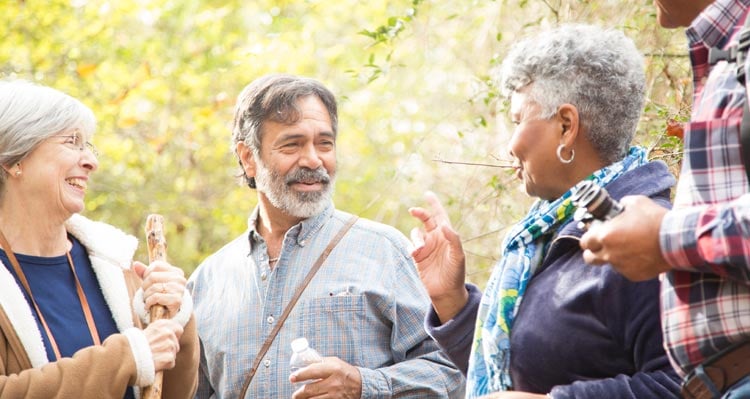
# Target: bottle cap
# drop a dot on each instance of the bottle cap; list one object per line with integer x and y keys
{"x": 299, "y": 344}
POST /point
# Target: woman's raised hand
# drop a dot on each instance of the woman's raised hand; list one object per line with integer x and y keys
{"x": 440, "y": 258}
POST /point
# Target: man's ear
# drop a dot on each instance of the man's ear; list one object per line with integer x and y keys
{"x": 245, "y": 154}
{"x": 568, "y": 116}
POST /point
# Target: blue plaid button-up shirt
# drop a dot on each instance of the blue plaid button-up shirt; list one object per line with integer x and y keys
{"x": 365, "y": 305}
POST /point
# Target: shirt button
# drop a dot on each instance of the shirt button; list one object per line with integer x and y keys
{"x": 267, "y": 363}
{"x": 263, "y": 276}
{"x": 270, "y": 319}
{"x": 303, "y": 243}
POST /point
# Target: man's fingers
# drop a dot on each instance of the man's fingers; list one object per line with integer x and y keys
{"x": 591, "y": 245}
{"x": 590, "y": 258}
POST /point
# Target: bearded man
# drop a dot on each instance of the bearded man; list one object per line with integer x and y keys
{"x": 364, "y": 307}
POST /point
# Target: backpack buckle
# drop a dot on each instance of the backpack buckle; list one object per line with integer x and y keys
{"x": 742, "y": 47}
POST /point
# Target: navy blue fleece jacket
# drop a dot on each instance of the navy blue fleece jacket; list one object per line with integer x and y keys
{"x": 581, "y": 331}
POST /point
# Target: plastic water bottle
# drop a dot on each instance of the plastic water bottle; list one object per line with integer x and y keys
{"x": 302, "y": 356}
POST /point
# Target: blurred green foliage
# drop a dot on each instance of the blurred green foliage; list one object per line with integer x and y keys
{"x": 413, "y": 78}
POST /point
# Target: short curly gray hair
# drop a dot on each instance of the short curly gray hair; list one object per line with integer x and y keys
{"x": 597, "y": 70}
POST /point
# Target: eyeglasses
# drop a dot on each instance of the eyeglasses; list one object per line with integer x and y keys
{"x": 75, "y": 141}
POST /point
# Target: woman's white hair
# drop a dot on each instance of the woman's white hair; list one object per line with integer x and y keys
{"x": 31, "y": 113}
{"x": 599, "y": 71}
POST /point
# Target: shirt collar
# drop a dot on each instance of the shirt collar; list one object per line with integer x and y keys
{"x": 300, "y": 232}
{"x": 715, "y": 25}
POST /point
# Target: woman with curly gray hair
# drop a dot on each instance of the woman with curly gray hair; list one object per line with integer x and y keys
{"x": 548, "y": 325}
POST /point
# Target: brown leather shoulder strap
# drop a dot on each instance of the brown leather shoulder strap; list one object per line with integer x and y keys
{"x": 288, "y": 309}
{"x": 14, "y": 341}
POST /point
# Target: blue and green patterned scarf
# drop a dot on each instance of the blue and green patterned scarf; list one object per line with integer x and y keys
{"x": 523, "y": 250}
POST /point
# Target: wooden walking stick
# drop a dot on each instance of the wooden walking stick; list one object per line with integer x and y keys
{"x": 157, "y": 250}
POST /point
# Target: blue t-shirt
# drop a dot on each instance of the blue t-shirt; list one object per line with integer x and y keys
{"x": 53, "y": 286}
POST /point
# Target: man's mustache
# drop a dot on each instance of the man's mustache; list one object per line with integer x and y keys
{"x": 308, "y": 176}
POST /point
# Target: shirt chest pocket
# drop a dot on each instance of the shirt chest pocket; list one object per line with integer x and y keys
{"x": 334, "y": 324}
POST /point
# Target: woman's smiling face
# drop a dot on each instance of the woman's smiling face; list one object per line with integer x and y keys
{"x": 57, "y": 173}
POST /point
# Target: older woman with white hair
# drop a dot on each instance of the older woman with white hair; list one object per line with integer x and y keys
{"x": 548, "y": 325}
{"x": 68, "y": 328}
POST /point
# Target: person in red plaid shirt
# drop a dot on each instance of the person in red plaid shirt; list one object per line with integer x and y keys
{"x": 701, "y": 247}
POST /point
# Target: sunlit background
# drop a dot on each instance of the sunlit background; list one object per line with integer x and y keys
{"x": 413, "y": 80}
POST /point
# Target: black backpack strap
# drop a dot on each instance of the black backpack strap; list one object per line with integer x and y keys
{"x": 743, "y": 45}
{"x": 745, "y": 136}
{"x": 738, "y": 54}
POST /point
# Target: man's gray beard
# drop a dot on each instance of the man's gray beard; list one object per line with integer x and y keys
{"x": 283, "y": 197}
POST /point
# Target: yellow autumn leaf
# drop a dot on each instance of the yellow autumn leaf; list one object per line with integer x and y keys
{"x": 128, "y": 121}
{"x": 205, "y": 112}
{"x": 85, "y": 70}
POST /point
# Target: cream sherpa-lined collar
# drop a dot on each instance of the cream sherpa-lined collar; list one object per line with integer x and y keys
{"x": 110, "y": 251}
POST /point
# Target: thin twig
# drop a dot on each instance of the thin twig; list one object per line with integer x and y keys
{"x": 472, "y": 163}
{"x": 667, "y": 155}
{"x": 665, "y": 55}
